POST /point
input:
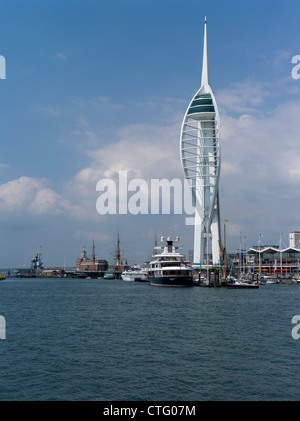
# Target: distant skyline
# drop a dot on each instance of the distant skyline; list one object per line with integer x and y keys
{"x": 97, "y": 87}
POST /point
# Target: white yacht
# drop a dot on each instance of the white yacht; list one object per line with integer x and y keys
{"x": 168, "y": 268}
{"x": 242, "y": 283}
{"x": 135, "y": 273}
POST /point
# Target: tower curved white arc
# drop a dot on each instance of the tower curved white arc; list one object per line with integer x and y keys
{"x": 201, "y": 161}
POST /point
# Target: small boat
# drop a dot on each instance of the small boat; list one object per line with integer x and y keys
{"x": 2, "y": 277}
{"x": 243, "y": 284}
{"x": 169, "y": 268}
{"x": 271, "y": 281}
{"x": 135, "y": 273}
{"x": 109, "y": 274}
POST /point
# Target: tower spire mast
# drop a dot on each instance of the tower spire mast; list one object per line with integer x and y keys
{"x": 205, "y": 66}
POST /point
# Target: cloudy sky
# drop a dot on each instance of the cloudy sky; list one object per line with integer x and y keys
{"x": 96, "y": 87}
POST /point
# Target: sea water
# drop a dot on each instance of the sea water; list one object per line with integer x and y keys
{"x": 110, "y": 340}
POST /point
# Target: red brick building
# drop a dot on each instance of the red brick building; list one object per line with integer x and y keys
{"x": 83, "y": 263}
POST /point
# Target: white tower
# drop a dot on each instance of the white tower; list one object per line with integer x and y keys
{"x": 200, "y": 158}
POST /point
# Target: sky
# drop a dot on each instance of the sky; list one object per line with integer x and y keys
{"x": 97, "y": 87}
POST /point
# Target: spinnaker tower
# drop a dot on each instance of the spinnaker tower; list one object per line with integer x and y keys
{"x": 201, "y": 161}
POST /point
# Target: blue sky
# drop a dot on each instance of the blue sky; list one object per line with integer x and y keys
{"x": 95, "y": 87}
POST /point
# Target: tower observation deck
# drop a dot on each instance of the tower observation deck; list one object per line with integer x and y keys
{"x": 200, "y": 158}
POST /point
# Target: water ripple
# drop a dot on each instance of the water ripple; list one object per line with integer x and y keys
{"x": 101, "y": 340}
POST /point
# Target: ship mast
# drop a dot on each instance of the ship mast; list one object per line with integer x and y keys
{"x": 118, "y": 253}
{"x": 94, "y": 256}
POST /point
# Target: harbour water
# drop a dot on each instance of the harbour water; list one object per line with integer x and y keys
{"x": 110, "y": 340}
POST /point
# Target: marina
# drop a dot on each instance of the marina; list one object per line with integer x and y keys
{"x": 166, "y": 267}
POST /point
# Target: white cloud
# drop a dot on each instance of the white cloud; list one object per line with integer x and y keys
{"x": 51, "y": 111}
{"x": 45, "y": 201}
{"x": 242, "y": 97}
{"x": 147, "y": 151}
{"x": 260, "y": 176}
{"x": 31, "y": 195}
{"x": 144, "y": 151}
{"x": 16, "y": 193}
{"x": 263, "y": 147}
{"x": 61, "y": 56}
{"x": 97, "y": 236}
{"x": 281, "y": 56}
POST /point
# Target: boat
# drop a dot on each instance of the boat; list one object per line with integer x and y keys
{"x": 109, "y": 274}
{"x": 135, "y": 273}
{"x": 242, "y": 284}
{"x": 271, "y": 281}
{"x": 2, "y": 277}
{"x": 169, "y": 268}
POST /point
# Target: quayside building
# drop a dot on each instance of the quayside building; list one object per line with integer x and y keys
{"x": 271, "y": 260}
{"x": 85, "y": 264}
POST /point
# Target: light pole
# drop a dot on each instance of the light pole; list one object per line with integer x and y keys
{"x": 224, "y": 252}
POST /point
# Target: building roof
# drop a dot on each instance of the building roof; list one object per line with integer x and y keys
{"x": 273, "y": 250}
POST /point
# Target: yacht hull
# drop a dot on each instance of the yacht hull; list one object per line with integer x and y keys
{"x": 172, "y": 281}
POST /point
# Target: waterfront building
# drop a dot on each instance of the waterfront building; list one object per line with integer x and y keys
{"x": 200, "y": 158}
{"x": 84, "y": 264}
{"x": 267, "y": 260}
{"x": 271, "y": 260}
{"x": 294, "y": 238}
